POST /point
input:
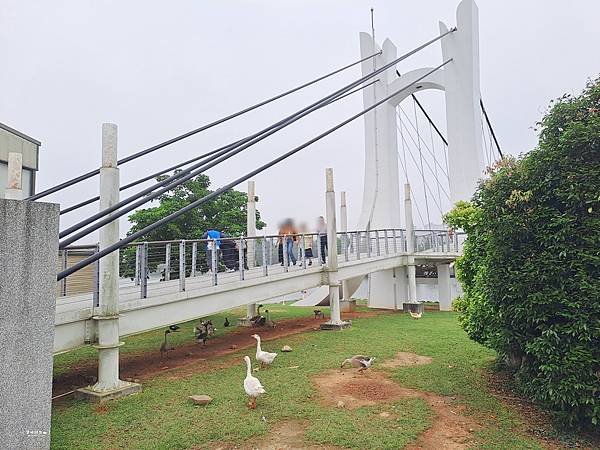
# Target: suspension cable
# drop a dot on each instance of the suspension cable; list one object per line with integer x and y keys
{"x": 196, "y": 203}
{"x": 181, "y": 164}
{"x": 196, "y": 131}
{"x": 487, "y": 119}
{"x": 422, "y": 171}
{"x": 422, "y": 140}
{"x": 227, "y": 151}
{"x": 409, "y": 185}
{"x": 171, "y": 182}
{"x": 425, "y": 184}
{"x": 426, "y": 162}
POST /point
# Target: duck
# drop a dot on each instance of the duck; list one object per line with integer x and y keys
{"x": 361, "y": 362}
{"x": 415, "y": 315}
{"x": 264, "y": 358}
{"x": 226, "y": 323}
{"x": 252, "y": 385}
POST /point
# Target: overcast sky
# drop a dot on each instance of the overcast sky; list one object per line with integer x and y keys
{"x": 158, "y": 69}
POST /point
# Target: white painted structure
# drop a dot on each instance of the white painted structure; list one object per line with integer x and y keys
{"x": 460, "y": 82}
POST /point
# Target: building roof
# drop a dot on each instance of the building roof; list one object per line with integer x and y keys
{"x": 21, "y": 135}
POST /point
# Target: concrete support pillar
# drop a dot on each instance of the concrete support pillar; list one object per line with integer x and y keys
{"x": 14, "y": 189}
{"x": 444, "y": 290}
{"x": 28, "y": 253}
{"x": 251, "y": 232}
{"x": 410, "y": 245}
{"x": 109, "y": 385}
{"x": 335, "y": 321}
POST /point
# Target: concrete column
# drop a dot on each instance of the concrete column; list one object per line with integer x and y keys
{"x": 251, "y": 232}
{"x": 109, "y": 385}
{"x": 444, "y": 290}
{"x": 335, "y": 321}
{"x": 463, "y": 112}
{"x": 14, "y": 189}
{"x": 410, "y": 245}
{"x": 28, "y": 254}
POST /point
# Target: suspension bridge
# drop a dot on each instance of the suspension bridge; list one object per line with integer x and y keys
{"x": 92, "y": 301}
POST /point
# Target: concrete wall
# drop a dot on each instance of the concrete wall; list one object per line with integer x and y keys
{"x": 28, "y": 249}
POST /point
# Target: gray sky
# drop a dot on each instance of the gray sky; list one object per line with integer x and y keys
{"x": 158, "y": 69}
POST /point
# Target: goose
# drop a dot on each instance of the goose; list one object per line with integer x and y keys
{"x": 226, "y": 323}
{"x": 252, "y": 384}
{"x": 165, "y": 347}
{"x": 265, "y": 358}
{"x": 415, "y": 315}
{"x": 360, "y": 361}
{"x": 268, "y": 322}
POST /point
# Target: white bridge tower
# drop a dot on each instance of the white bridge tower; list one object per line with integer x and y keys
{"x": 459, "y": 80}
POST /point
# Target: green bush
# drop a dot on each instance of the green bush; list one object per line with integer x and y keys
{"x": 531, "y": 264}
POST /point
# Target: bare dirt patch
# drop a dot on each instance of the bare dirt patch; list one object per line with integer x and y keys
{"x": 450, "y": 428}
{"x": 287, "y": 435}
{"x": 404, "y": 359}
{"x": 141, "y": 366}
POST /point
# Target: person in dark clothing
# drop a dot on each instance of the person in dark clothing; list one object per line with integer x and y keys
{"x": 322, "y": 240}
{"x": 229, "y": 253}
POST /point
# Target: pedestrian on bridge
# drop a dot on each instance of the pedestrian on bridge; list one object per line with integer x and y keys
{"x": 308, "y": 243}
{"x": 288, "y": 235}
{"x": 322, "y": 237}
{"x": 213, "y": 245}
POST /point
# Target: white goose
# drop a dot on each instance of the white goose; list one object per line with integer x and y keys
{"x": 252, "y": 384}
{"x": 264, "y": 358}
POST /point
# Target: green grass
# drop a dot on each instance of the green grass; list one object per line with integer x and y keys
{"x": 161, "y": 417}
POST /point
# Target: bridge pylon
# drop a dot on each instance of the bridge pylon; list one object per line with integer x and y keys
{"x": 459, "y": 80}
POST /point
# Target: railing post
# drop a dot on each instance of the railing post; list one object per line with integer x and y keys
{"x": 194, "y": 259}
{"x": 319, "y": 249}
{"x": 109, "y": 385}
{"x": 377, "y": 243}
{"x": 241, "y": 257}
{"x": 182, "y": 266}
{"x": 64, "y": 263}
{"x": 394, "y": 237}
{"x": 387, "y": 245}
{"x": 213, "y": 262}
{"x": 264, "y": 256}
{"x": 96, "y": 294}
{"x": 167, "y": 262}
{"x": 136, "y": 275}
{"x": 285, "y": 255}
{"x": 368, "y": 234}
{"x": 358, "y": 239}
{"x": 303, "y": 251}
{"x": 144, "y": 271}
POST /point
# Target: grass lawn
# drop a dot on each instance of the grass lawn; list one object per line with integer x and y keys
{"x": 161, "y": 417}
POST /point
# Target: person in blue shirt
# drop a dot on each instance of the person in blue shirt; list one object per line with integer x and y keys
{"x": 214, "y": 244}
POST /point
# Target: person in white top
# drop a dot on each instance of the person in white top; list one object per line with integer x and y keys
{"x": 322, "y": 237}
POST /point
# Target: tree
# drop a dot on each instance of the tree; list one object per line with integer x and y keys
{"x": 531, "y": 264}
{"x": 226, "y": 213}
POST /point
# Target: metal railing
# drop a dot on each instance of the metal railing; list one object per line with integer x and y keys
{"x": 166, "y": 267}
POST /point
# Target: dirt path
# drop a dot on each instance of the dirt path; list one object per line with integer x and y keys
{"x": 142, "y": 366}
{"x": 286, "y": 435}
{"x": 450, "y": 429}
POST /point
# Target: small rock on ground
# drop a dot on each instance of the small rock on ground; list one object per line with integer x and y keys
{"x": 200, "y": 399}
{"x": 286, "y": 348}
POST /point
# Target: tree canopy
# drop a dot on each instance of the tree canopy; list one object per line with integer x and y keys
{"x": 226, "y": 213}
{"x": 531, "y": 263}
